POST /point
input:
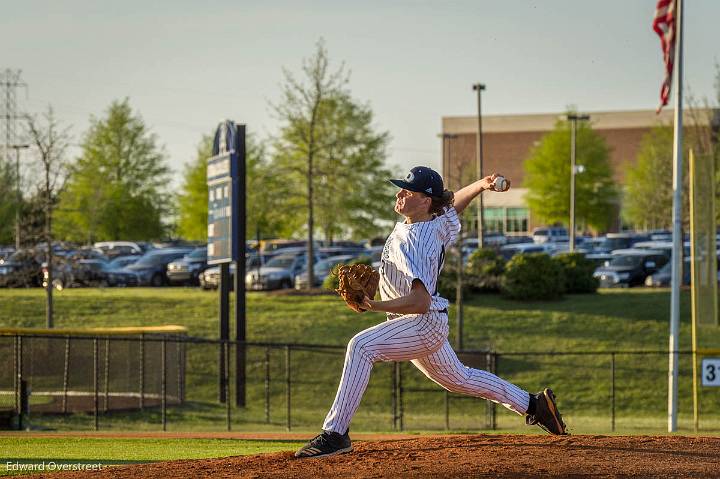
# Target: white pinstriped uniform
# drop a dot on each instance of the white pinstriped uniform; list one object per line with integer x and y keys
{"x": 415, "y": 251}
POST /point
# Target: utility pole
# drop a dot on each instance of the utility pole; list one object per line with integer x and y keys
{"x": 479, "y": 87}
{"x": 573, "y": 118}
{"x": 18, "y": 197}
{"x": 10, "y": 81}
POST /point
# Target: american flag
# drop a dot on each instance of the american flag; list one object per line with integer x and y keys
{"x": 664, "y": 26}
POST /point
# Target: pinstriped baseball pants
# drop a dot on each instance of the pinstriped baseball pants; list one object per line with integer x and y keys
{"x": 421, "y": 339}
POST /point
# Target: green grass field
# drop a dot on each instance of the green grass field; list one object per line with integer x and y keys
{"x": 609, "y": 321}
{"x": 118, "y": 451}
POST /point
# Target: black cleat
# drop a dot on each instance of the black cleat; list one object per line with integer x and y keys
{"x": 546, "y": 414}
{"x": 326, "y": 444}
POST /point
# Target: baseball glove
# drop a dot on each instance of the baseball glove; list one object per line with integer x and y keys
{"x": 355, "y": 282}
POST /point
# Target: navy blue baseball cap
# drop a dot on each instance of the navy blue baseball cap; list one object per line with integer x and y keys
{"x": 422, "y": 179}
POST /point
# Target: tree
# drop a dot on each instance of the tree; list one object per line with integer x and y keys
{"x": 547, "y": 177}
{"x": 193, "y": 196}
{"x": 117, "y": 188}
{"x": 263, "y": 191}
{"x": 330, "y": 156}
{"x": 50, "y": 142}
{"x": 648, "y": 197}
{"x": 7, "y": 203}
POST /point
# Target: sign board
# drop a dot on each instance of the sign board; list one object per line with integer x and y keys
{"x": 223, "y": 180}
{"x": 710, "y": 372}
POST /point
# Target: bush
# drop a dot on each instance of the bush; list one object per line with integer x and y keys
{"x": 578, "y": 273}
{"x": 484, "y": 270}
{"x": 533, "y": 276}
{"x": 331, "y": 281}
{"x": 447, "y": 282}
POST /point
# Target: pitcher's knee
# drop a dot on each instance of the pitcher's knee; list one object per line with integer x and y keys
{"x": 357, "y": 347}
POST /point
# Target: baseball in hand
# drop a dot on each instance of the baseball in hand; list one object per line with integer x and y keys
{"x": 500, "y": 184}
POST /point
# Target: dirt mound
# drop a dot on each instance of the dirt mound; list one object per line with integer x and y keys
{"x": 464, "y": 456}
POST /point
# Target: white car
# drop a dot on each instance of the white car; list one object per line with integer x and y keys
{"x": 118, "y": 248}
{"x": 551, "y": 234}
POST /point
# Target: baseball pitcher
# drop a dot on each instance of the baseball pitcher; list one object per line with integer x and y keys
{"x": 416, "y": 329}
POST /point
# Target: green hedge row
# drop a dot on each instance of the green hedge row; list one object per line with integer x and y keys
{"x": 525, "y": 276}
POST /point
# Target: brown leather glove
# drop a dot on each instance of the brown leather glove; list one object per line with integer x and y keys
{"x": 355, "y": 282}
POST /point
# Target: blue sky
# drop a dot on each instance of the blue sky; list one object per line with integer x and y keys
{"x": 185, "y": 65}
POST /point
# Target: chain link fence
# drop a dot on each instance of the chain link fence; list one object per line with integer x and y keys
{"x": 172, "y": 382}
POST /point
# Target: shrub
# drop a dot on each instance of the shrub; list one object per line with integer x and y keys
{"x": 533, "y": 276}
{"x": 578, "y": 273}
{"x": 484, "y": 270}
{"x": 447, "y": 282}
{"x": 330, "y": 282}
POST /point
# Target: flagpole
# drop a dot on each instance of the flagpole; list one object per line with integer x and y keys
{"x": 677, "y": 224}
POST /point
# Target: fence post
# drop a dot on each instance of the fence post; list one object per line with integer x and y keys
{"x": 394, "y": 395}
{"x": 95, "y": 383}
{"x": 107, "y": 374}
{"x": 401, "y": 412}
{"x": 267, "y": 385}
{"x": 183, "y": 366}
{"x": 178, "y": 370}
{"x": 228, "y": 418}
{"x": 66, "y": 374}
{"x": 612, "y": 392}
{"x": 142, "y": 371}
{"x": 489, "y": 405}
{"x": 447, "y": 410}
{"x": 495, "y": 360}
{"x": 163, "y": 384}
{"x": 287, "y": 385}
{"x": 16, "y": 374}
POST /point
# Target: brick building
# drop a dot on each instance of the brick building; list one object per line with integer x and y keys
{"x": 507, "y": 141}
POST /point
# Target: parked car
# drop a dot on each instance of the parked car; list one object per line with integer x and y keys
{"x": 113, "y": 249}
{"x": 123, "y": 261}
{"x": 277, "y": 273}
{"x": 623, "y": 240}
{"x": 663, "y": 277}
{"x": 187, "y": 269}
{"x": 321, "y": 270}
{"x": 630, "y": 267}
{"x": 491, "y": 240}
{"x": 20, "y": 269}
{"x": 5, "y": 252}
{"x": 508, "y": 251}
{"x": 120, "y": 276}
{"x": 550, "y": 234}
{"x": 664, "y": 246}
{"x": 94, "y": 272}
{"x": 341, "y": 251}
{"x": 599, "y": 245}
{"x": 151, "y": 268}
{"x": 599, "y": 258}
{"x": 86, "y": 253}
{"x": 255, "y": 260}
{"x": 210, "y": 278}
{"x": 274, "y": 246}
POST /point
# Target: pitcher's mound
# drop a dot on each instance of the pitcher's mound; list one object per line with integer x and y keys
{"x": 465, "y": 456}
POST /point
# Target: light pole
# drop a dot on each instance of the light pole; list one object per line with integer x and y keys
{"x": 574, "y": 118}
{"x": 479, "y": 87}
{"x": 18, "y": 199}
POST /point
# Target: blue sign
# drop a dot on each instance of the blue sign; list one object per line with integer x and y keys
{"x": 223, "y": 179}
